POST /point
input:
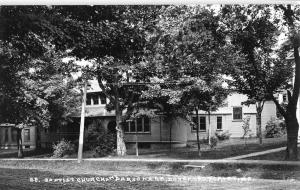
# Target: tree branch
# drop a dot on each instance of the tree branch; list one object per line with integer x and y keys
{"x": 279, "y": 107}
{"x": 103, "y": 88}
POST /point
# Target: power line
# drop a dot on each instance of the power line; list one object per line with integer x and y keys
{"x": 143, "y": 83}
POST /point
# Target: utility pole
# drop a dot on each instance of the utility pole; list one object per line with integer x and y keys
{"x": 136, "y": 144}
{"x": 80, "y": 147}
{"x": 209, "y": 126}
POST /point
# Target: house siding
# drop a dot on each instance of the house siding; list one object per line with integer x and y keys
{"x": 160, "y": 131}
{"x": 269, "y": 111}
{"x": 10, "y": 142}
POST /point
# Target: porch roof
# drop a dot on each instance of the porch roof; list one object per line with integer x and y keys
{"x": 94, "y": 112}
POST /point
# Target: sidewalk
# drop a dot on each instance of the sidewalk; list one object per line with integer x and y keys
{"x": 257, "y": 153}
{"x": 185, "y": 162}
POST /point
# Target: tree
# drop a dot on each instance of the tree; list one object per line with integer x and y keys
{"x": 190, "y": 52}
{"x": 291, "y": 17}
{"x": 114, "y": 39}
{"x": 208, "y": 97}
{"x": 255, "y": 35}
{"x": 266, "y": 71}
{"x": 29, "y": 58}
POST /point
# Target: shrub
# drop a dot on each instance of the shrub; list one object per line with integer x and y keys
{"x": 213, "y": 141}
{"x": 275, "y": 128}
{"x": 99, "y": 140}
{"x": 246, "y": 127}
{"x": 63, "y": 148}
{"x": 222, "y": 135}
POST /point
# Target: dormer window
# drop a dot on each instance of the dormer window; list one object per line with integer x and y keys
{"x": 95, "y": 99}
{"x": 88, "y": 99}
{"x": 103, "y": 99}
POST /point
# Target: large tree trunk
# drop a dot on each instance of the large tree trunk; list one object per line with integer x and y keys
{"x": 19, "y": 143}
{"x": 197, "y": 130}
{"x": 258, "y": 125}
{"x": 292, "y": 125}
{"x": 259, "y": 108}
{"x": 121, "y": 147}
{"x": 292, "y": 128}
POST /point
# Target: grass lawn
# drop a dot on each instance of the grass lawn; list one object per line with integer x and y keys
{"x": 278, "y": 172}
{"x": 26, "y": 153}
{"x": 12, "y": 179}
{"x": 17, "y": 174}
{"x": 224, "y": 149}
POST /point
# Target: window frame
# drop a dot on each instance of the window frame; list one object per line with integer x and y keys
{"x": 101, "y": 99}
{"x": 237, "y": 119}
{"x": 199, "y": 124}
{"x": 135, "y": 121}
{"x": 27, "y": 139}
{"x": 219, "y": 129}
{"x": 6, "y": 138}
{"x": 14, "y": 134}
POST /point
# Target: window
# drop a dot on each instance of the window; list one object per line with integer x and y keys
{"x": 139, "y": 125}
{"x": 202, "y": 124}
{"x": 103, "y": 99}
{"x": 6, "y": 136}
{"x": 219, "y": 123}
{"x": 26, "y": 135}
{"x": 132, "y": 126}
{"x": 195, "y": 121}
{"x": 237, "y": 113}
{"x": 95, "y": 99}
{"x": 14, "y": 135}
{"x": 126, "y": 126}
{"x": 284, "y": 98}
{"x": 146, "y": 124}
{"x": 88, "y": 99}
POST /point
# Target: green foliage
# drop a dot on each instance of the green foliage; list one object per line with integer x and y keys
{"x": 32, "y": 73}
{"x": 222, "y": 135}
{"x": 99, "y": 140}
{"x": 275, "y": 128}
{"x": 188, "y": 54}
{"x": 213, "y": 142}
{"x": 63, "y": 148}
{"x": 246, "y": 127}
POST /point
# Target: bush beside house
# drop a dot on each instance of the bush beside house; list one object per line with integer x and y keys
{"x": 63, "y": 148}
{"x": 99, "y": 140}
{"x": 275, "y": 128}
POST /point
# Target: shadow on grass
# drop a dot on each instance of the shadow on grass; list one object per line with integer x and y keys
{"x": 218, "y": 153}
{"x": 29, "y": 153}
